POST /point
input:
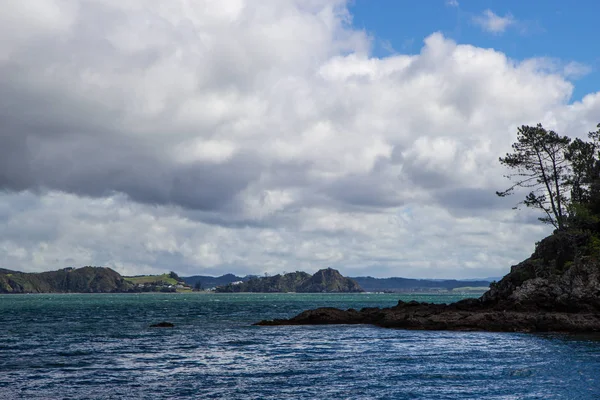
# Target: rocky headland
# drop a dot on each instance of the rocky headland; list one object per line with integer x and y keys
{"x": 323, "y": 281}
{"x": 68, "y": 280}
{"x": 557, "y": 289}
{"x": 86, "y": 280}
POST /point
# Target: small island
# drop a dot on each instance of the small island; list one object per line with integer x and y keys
{"x": 323, "y": 281}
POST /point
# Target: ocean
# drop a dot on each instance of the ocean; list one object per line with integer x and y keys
{"x": 100, "y": 346}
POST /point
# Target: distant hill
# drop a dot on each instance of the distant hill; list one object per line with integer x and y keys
{"x": 105, "y": 280}
{"x": 87, "y": 280}
{"x": 208, "y": 282}
{"x": 170, "y": 282}
{"x": 371, "y": 284}
{"x": 326, "y": 280}
{"x": 68, "y": 280}
{"x": 8, "y": 271}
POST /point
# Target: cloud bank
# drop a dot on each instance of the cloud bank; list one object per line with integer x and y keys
{"x": 209, "y": 137}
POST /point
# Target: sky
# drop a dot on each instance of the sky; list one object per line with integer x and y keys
{"x": 209, "y": 137}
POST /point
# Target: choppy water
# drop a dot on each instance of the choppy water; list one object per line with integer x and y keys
{"x": 86, "y": 346}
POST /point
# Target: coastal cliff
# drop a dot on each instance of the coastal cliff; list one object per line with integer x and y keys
{"x": 563, "y": 275}
{"x": 557, "y": 289}
{"x": 87, "y": 280}
{"x": 67, "y": 280}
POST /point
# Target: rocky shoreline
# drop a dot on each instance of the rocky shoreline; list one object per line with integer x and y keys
{"x": 557, "y": 289}
{"x": 461, "y": 316}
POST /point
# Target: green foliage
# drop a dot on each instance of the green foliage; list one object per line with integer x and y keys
{"x": 68, "y": 280}
{"x": 581, "y": 216}
{"x": 594, "y": 246}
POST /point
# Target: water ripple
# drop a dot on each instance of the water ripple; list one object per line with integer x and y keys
{"x": 101, "y": 346}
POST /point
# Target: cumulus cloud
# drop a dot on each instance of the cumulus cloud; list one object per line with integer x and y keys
{"x": 493, "y": 23}
{"x": 209, "y": 137}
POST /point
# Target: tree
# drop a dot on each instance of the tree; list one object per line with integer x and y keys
{"x": 540, "y": 164}
{"x": 584, "y": 178}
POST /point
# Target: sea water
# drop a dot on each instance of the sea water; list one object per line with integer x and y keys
{"x": 100, "y": 346}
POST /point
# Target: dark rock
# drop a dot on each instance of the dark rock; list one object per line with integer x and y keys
{"x": 163, "y": 325}
{"x": 447, "y": 317}
{"x": 559, "y": 276}
{"x": 557, "y": 289}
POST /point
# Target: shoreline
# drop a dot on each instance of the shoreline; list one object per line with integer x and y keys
{"x": 464, "y": 315}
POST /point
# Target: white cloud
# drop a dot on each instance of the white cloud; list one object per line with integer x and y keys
{"x": 576, "y": 70}
{"x": 236, "y": 136}
{"x": 569, "y": 70}
{"x": 452, "y": 3}
{"x": 493, "y": 23}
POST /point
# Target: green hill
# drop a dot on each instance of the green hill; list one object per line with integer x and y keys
{"x": 68, "y": 280}
{"x": 87, "y": 280}
{"x": 170, "y": 282}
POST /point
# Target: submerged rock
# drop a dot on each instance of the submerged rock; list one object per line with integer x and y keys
{"x": 163, "y": 325}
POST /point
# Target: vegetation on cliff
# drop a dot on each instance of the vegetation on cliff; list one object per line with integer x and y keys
{"x": 170, "y": 282}
{"x": 68, "y": 280}
{"x": 325, "y": 280}
{"x": 87, "y": 280}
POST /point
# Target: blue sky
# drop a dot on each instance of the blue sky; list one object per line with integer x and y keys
{"x": 556, "y": 29}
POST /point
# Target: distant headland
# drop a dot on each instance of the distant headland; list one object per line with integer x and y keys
{"x": 87, "y": 280}
{"x": 105, "y": 280}
{"x": 323, "y": 281}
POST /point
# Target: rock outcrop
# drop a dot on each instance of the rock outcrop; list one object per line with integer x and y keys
{"x": 461, "y": 317}
{"x": 163, "y": 324}
{"x": 557, "y": 289}
{"x": 330, "y": 281}
{"x": 562, "y": 275}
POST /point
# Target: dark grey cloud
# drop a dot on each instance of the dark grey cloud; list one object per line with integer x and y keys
{"x": 469, "y": 200}
{"x": 367, "y": 190}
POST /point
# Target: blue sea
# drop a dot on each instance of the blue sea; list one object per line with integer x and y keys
{"x": 100, "y": 346}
